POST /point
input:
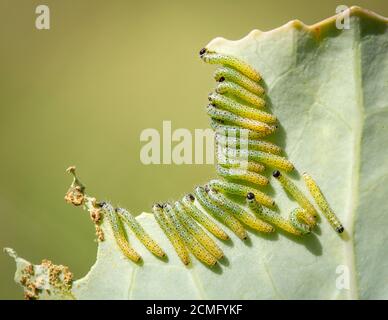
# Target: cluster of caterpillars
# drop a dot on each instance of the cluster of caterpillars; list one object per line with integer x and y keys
{"x": 240, "y": 123}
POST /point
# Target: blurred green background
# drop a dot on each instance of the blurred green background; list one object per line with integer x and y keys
{"x": 81, "y": 93}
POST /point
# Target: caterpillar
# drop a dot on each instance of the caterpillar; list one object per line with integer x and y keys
{"x": 140, "y": 233}
{"x": 189, "y": 240}
{"x": 258, "y": 145}
{"x": 243, "y": 94}
{"x": 270, "y": 216}
{"x": 234, "y": 76}
{"x": 247, "y": 123}
{"x": 239, "y": 65}
{"x": 263, "y": 157}
{"x": 198, "y": 233}
{"x": 218, "y": 212}
{"x": 297, "y": 216}
{"x": 242, "y": 174}
{"x": 322, "y": 203}
{"x": 239, "y": 212}
{"x": 171, "y": 233}
{"x": 310, "y": 213}
{"x": 240, "y": 109}
{"x": 241, "y": 190}
{"x": 201, "y": 218}
{"x": 119, "y": 234}
{"x": 240, "y": 123}
{"x": 232, "y": 130}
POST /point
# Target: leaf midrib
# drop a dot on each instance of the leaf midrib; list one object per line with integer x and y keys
{"x": 353, "y": 200}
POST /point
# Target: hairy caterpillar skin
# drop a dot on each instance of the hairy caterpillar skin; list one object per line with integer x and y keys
{"x": 220, "y": 214}
{"x": 258, "y": 145}
{"x": 293, "y": 190}
{"x": 242, "y": 174}
{"x": 140, "y": 233}
{"x": 239, "y": 212}
{"x": 194, "y": 246}
{"x": 241, "y": 190}
{"x": 240, "y": 92}
{"x": 246, "y": 123}
{"x": 200, "y": 217}
{"x": 171, "y": 233}
{"x": 322, "y": 203}
{"x": 270, "y": 216}
{"x": 233, "y": 76}
{"x": 243, "y": 67}
{"x": 295, "y": 216}
{"x": 235, "y": 131}
{"x": 119, "y": 234}
{"x": 197, "y": 231}
{"x": 240, "y": 109}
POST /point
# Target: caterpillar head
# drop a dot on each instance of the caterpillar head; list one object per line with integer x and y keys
{"x": 250, "y": 196}
{"x": 157, "y": 208}
{"x": 202, "y": 52}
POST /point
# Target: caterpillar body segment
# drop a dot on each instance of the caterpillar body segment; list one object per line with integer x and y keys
{"x": 194, "y": 246}
{"x": 239, "y": 212}
{"x": 240, "y": 92}
{"x": 293, "y": 190}
{"x": 241, "y": 190}
{"x": 201, "y": 218}
{"x": 296, "y": 219}
{"x": 171, "y": 233}
{"x": 258, "y": 145}
{"x": 241, "y": 66}
{"x": 270, "y": 216}
{"x": 197, "y": 231}
{"x": 239, "y": 109}
{"x": 233, "y": 76}
{"x": 230, "y": 221}
{"x": 119, "y": 233}
{"x": 322, "y": 203}
{"x": 255, "y": 125}
{"x": 140, "y": 233}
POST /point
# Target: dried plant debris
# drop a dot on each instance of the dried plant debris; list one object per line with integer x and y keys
{"x": 76, "y": 195}
{"x": 46, "y": 280}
